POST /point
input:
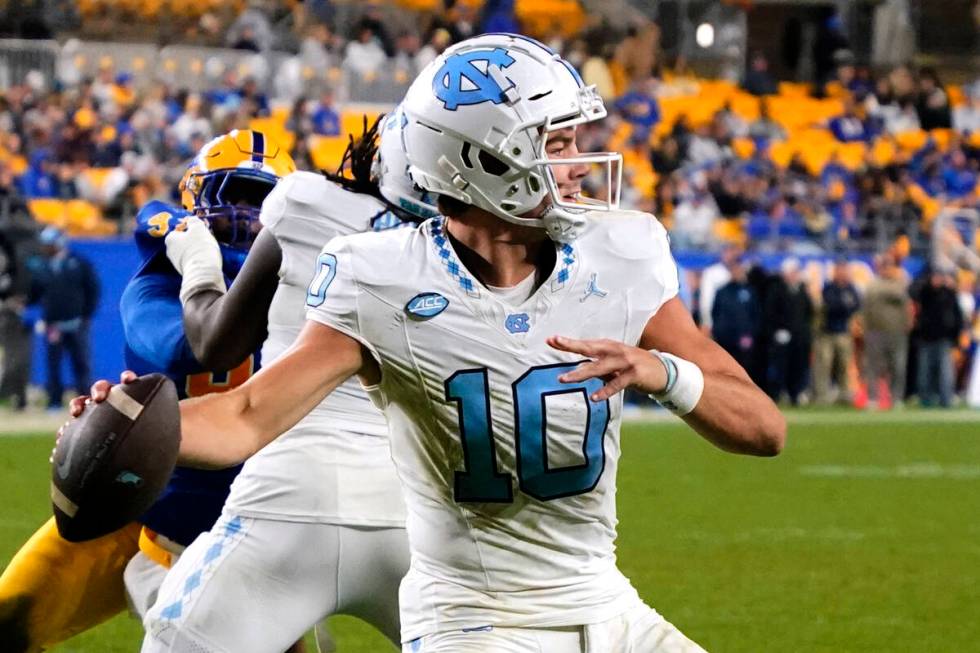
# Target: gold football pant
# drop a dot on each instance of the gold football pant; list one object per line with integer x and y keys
{"x": 54, "y": 589}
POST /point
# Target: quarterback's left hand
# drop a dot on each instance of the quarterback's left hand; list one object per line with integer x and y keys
{"x": 619, "y": 365}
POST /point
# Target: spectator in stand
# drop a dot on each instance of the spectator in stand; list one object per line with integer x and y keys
{"x": 758, "y": 80}
{"x": 191, "y": 121}
{"x": 887, "y": 317}
{"x": 407, "y": 47}
{"x": 695, "y": 216}
{"x": 252, "y": 30}
{"x": 939, "y": 324}
{"x": 736, "y": 316}
{"x": 637, "y": 53}
{"x": 966, "y": 118}
{"x": 959, "y": 178}
{"x": 374, "y": 21}
{"x": 67, "y": 288}
{"x": 595, "y": 69}
{"x": 41, "y": 178}
{"x": 439, "y": 40}
{"x": 834, "y": 344}
{"x": 325, "y": 119}
{"x": 365, "y": 56}
{"x": 933, "y": 103}
{"x": 638, "y": 106}
{"x": 668, "y": 157}
{"x": 703, "y": 148}
{"x": 498, "y": 16}
{"x": 250, "y": 92}
{"x": 764, "y": 129}
{"x": 316, "y": 49}
{"x": 849, "y": 126}
{"x": 713, "y": 278}
{"x": 905, "y": 119}
{"x": 828, "y": 44}
{"x": 788, "y": 316}
{"x": 15, "y": 335}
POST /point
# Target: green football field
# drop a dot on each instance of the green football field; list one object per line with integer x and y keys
{"x": 864, "y": 535}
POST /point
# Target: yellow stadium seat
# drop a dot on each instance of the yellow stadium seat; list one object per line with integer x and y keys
{"x": 883, "y": 151}
{"x": 911, "y": 140}
{"x": 420, "y": 5}
{"x": 956, "y": 96}
{"x": 745, "y": 106}
{"x": 780, "y": 153}
{"x": 280, "y": 113}
{"x": 540, "y": 18}
{"x": 327, "y": 151}
{"x": 276, "y": 131}
{"x": 929, "y": 205}
{"x": 941, "y": 137}
{"x": 852, "y": 155}
{"x": 48, "y": 211}
{"x": 744, "y": 147}
{"x": 352, "y": 122}
{"x": 81, "y": 217}
{"x": 18, "y": 165}
{"x": 730, "y": 231}
{"x": 794, "y": 89}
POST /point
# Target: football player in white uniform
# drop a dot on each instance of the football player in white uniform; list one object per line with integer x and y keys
{"x": 315, "y": 523}
{"x": 505, "y": 436}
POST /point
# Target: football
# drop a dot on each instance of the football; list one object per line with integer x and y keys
{"x": 112, "y": 462}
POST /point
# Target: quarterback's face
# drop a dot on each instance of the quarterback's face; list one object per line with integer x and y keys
{"x": 561, "y": 145}
{"x": 568, "y": 178}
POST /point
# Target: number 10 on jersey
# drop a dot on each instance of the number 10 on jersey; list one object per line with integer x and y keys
{"x": 482, "y": 481}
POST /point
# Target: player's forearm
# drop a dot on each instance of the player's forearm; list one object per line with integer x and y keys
{"x": 735, "y": 415}
{"x": 224, "y": 328}
{"x": 221, "y": 430}
{"x": 214, "y": 433}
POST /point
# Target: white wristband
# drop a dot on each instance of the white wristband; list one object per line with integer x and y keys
{"x": 685, "y": 384}
{"x": 196, "y": 256}
{"x": 198, "y": 278}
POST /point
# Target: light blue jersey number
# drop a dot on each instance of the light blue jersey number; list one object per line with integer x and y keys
{"x": 482, "y": 481}
{"x": 326, "y": 270}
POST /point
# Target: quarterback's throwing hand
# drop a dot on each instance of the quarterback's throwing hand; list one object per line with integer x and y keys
{"x": 619, "y": 365}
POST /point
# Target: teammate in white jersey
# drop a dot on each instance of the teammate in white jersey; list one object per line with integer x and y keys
{"x": 504, "y": 435}
{"x": 315, "y": 523}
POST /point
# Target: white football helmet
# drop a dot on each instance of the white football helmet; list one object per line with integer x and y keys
{"x": 478, "y": 118}
{"x": 390, "y": 168}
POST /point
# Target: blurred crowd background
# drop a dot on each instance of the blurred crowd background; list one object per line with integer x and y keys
{"x": 816, "y": 163}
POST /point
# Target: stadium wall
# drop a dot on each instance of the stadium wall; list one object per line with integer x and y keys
{"x": 116, "y": 260}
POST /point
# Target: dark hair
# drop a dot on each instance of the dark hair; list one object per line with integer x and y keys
{"x": 451, "y": 206}
{"x": 360, "y": 154}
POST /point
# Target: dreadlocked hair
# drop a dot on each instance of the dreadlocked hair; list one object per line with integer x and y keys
{"x": 358, "y": 158}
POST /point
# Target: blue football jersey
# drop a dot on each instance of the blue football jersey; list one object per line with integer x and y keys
{"x": 153, "y": 323}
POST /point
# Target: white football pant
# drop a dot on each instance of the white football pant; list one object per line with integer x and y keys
{"x": 257, "y": 585}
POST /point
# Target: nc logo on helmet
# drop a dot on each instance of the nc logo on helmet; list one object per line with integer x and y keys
{"x": 462, "y": 82}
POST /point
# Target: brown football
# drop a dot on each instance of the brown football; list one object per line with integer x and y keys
{"x": 113, "y": 462}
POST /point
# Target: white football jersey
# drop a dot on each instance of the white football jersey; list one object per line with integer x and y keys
{"x": 335, "y": 465}
{"x": 509, "y": 475}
